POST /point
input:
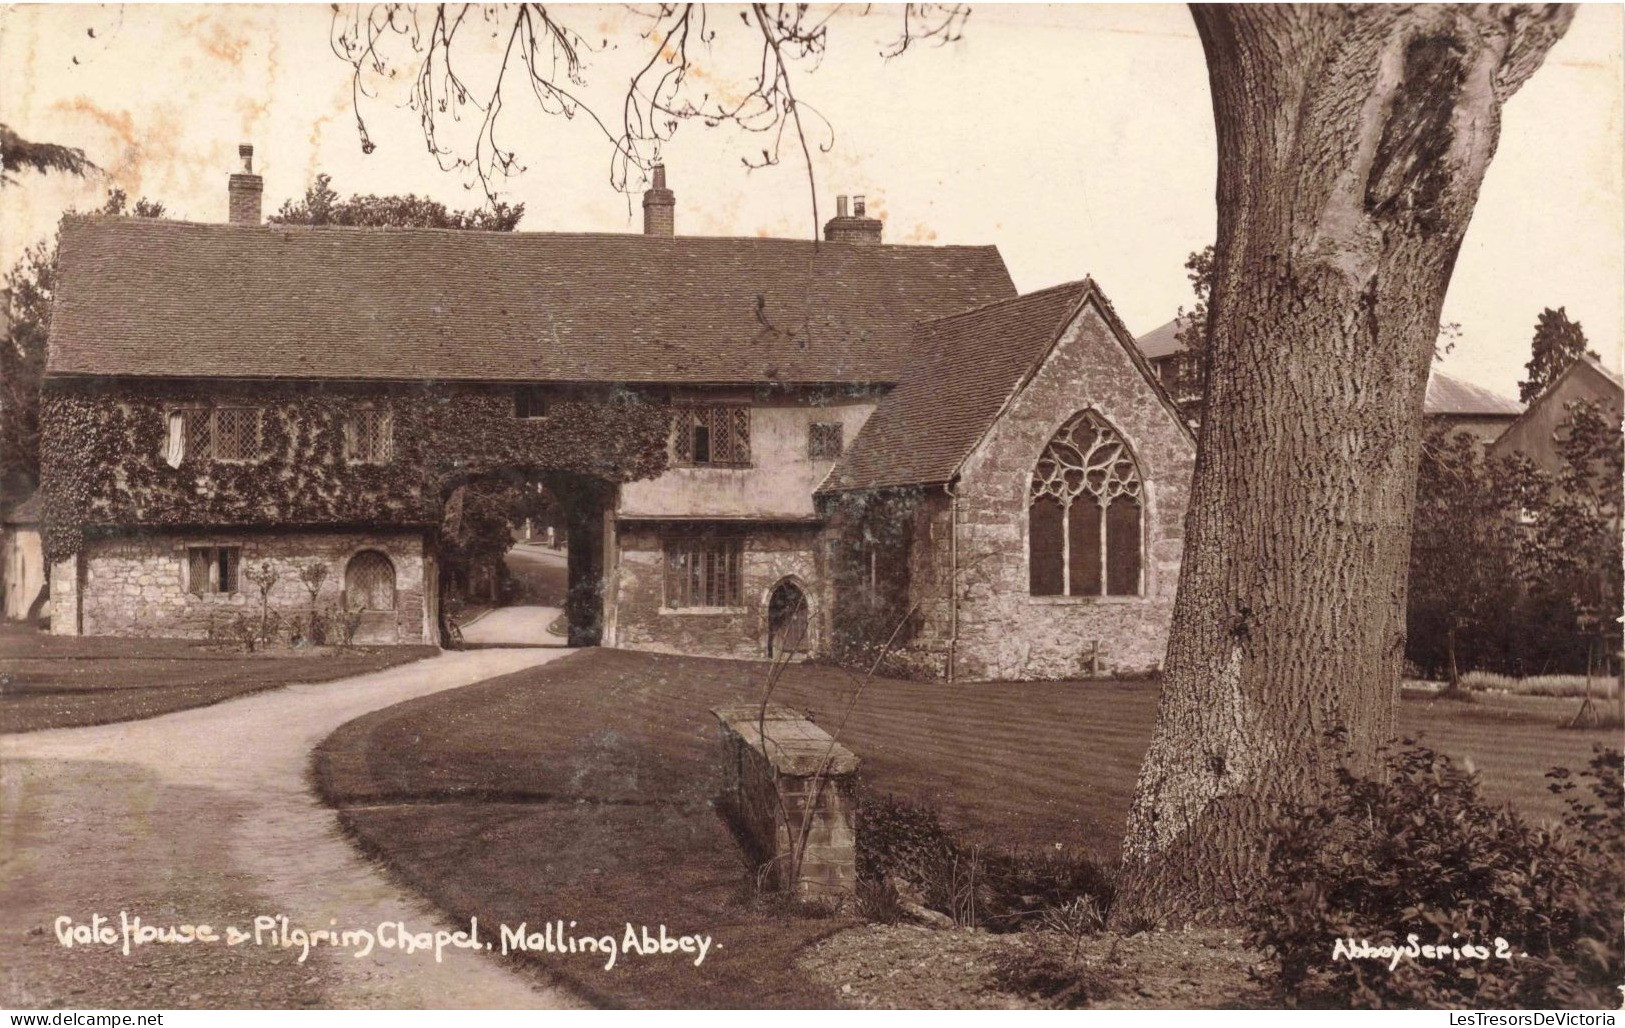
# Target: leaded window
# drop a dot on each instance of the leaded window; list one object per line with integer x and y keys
{"x": 713, "y": 435}
{"x": 236, "y": 433}
{"x": 1085, "y": 533}
{"x": 369, "y": 582}
{"x": 703, "y": 570}
{"x": 219, "y": 433}
{"x": 369, "y": 436}
{"x": 824, "y": 440}
{"x": 212, "y": 569}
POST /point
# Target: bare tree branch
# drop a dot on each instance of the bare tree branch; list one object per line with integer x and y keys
{"x": 683, "y": 77}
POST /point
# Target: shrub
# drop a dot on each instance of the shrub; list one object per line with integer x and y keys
{"x": 899, "y": 839}
{"x": 344, "y": 623}
{"x": 1056, "y": 975}
{"x": 1566, "y": 686}
{"x": 1000, "y": 890}
{"x": 244, "y": 629}
{"x": 1415, "y": 858}
{"x": 1025, "y": 886}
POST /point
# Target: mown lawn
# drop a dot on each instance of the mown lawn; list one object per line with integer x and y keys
{"x": 582, "y": 790}
{"x": 51, "y": 681}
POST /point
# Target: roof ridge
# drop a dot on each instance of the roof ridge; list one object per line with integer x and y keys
{"x": 1082, "y": 283}
{"x": 167, "y": 223}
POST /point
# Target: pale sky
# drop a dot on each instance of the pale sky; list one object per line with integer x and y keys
{"x": 1077, "y": 139}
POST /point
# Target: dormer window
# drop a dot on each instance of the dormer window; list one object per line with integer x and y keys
{"x": 529, "y": 402}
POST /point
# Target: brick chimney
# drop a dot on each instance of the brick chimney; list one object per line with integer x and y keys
{"x": 856, "y": 228}
{"x": 659, "y": 206}
{"x": 246, "y": 189}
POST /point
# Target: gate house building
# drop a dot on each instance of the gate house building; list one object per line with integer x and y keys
{"x": 857, "y": 429}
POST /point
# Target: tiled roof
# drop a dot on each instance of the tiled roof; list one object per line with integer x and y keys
{"x": 164, "y": 298}
{"x": 962, "y": 371}
{"x": 1452, "y": 396}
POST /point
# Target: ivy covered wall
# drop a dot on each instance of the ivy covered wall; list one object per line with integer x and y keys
{"x": 103, "y": 452}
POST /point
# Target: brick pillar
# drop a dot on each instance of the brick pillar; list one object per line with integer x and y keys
{"x": 793, "y": 790}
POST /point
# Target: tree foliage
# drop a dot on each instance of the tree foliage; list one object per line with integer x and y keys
{"x": 18, "y": 154}
{"x": 1407, "y": 889}
{"x": 1514, "y": 569}
{"x": 1558, "y": 342}
{"x": 118, "y": 204}
{"x": 322, "y": 205}
{"x": 27, "y": 293}
{"x": 1193, "y": 329}
{"x": 25, "y": 298}
{"x": 1572, "y": 553}
{"x": 1464, "y": 548}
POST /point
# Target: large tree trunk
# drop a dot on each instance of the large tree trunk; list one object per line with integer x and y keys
{"x": 1352, "y": 142}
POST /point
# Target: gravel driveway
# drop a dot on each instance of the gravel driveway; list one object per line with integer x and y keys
{"x": 205, "y": 816}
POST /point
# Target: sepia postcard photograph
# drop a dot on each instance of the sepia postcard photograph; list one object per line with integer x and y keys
{"x": 811, "y": 507}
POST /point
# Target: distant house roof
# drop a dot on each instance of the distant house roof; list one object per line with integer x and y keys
{"x": 1532, "y": 430}
{"x": 1160, "y": 341}
{"x": 1445, "y": 396}
{"x": 963, "y": 370}
{"x": 1608, "y": 373}
{"x": 146, "y": 297}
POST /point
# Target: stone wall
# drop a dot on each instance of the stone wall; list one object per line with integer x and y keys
{"x": 793, "y": 791}
{"x": 1006, "y": 633}
{"x": 137, "y": 585}
{"x": 638, "y": 618}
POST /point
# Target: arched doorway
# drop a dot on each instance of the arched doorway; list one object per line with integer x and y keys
{"x": 369, "y": 582}
{"x": 786, "y": 620}
{"x": 529, "y": 591}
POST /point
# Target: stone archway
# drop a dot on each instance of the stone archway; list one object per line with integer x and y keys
{"x": 469, "y": 554}
{"x": 788, "y": 619}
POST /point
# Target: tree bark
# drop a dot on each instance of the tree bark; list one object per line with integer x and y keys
{"x": 1352, "y": 143}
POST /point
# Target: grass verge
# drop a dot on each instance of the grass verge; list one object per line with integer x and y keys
{"x": 583, "y": 790}
{"x": 51, "y": 681}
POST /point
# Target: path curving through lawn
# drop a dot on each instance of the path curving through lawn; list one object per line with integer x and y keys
{"x": 206, "y": 815}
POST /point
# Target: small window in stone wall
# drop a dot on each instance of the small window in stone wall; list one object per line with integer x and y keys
{"x": 824, "y": 440}
{"x": 212, "y": 569}
{"x": 703, "y": 570}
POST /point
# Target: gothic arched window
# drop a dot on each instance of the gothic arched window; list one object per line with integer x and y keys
{"x": 1084, "y": 514}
